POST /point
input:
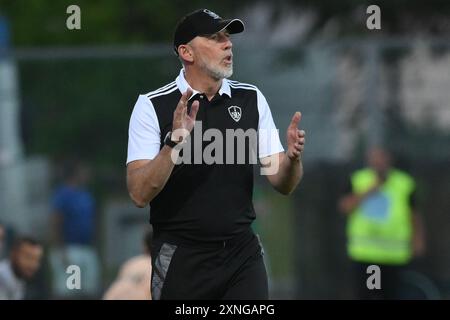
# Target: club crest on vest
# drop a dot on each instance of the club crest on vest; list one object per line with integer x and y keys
{"x": 235, "y": 113}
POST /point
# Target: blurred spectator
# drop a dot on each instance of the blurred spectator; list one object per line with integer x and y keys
{"x": 384, "y": 227}
{"x": 133, "y": 281}
{"x": 73, "y": 230}
{"x": 24, "y": 261}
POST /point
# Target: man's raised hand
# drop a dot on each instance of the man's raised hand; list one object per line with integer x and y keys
{"x": 183, "y": 123}
{"x": 295, "y": 138}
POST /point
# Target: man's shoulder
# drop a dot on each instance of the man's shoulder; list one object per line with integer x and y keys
{"x": 363, "y": 172}
{"x": 4, "y": 264}
{"x": 5, "y": 272}
{"x": 136, "y": 264}
{"x": 162, "y": 91}
{"x": 62, "y": 192}
{"x": 242, "y": 85}
{"x": 403, "y": 175}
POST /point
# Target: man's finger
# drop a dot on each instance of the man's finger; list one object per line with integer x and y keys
{"x": 184, "y": 99}
{"x": 301, "y": 133}
{"x": 295, "y": 120}
{"x": 194, "y": 109}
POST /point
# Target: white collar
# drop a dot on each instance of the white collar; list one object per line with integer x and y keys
{"x": 183, "y": 85}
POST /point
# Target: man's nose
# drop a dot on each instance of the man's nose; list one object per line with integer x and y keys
{"x": 228, "y": 44}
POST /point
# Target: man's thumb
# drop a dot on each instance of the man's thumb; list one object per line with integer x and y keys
{"x": 295, "y": 119}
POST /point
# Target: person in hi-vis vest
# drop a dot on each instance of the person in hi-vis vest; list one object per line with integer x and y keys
{"x": 383, "y": 227}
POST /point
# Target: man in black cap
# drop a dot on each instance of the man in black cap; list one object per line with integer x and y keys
{"x": 182, "y": 159}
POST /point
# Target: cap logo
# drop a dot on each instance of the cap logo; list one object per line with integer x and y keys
{"x": 211, "y": 14}
{"x": 235, "y": 113}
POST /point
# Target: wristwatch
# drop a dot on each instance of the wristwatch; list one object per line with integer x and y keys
{"x": 168, "y": 140}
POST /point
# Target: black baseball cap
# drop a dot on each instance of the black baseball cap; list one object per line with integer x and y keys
{"x": 203, "y": 22}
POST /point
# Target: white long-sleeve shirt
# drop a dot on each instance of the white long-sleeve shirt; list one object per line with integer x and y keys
{"x": 11, "y": 287}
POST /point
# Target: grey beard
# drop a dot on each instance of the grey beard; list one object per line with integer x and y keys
{"x": 218, "y": 73}
{"x": 221, "y": 74}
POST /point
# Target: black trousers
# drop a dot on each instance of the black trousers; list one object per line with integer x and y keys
{"x": 390, "y": 282}
{"x": 231, "y": 270}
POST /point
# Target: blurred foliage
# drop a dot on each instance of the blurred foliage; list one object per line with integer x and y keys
{"x": 82, "y": 107}
{"x": 43, "y": 22}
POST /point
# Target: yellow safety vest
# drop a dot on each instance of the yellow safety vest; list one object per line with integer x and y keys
{"x": 379, "y": 230}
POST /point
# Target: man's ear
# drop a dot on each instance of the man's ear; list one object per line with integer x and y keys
{"x": 185, "y": 53}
